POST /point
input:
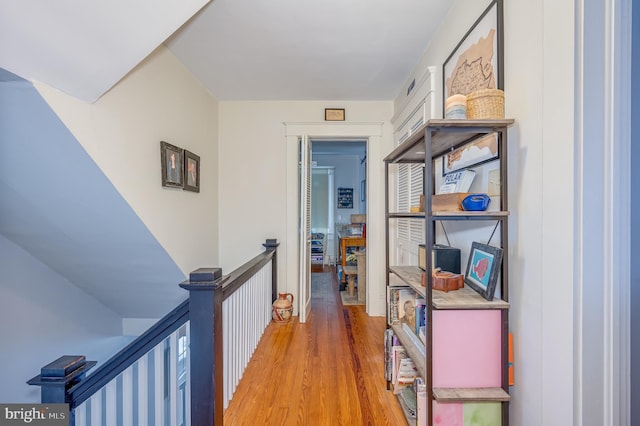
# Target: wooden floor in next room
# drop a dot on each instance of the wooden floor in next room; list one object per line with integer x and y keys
{"x": 327, "y": 371}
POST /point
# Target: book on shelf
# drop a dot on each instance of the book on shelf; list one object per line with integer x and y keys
{"x": 398, "y": 353}
{"x": 459, "y": 181}
{"x": 422, "y": 412}
{"x": 392, "y": 305}
{"x": 401, "y": 305}
{"x": 421, "y": 320}
{"x": 408, "y": 396}
{"x": 405, "y": 375}
{"x": 421, "y": 305}
{"x": 419, "y": 344}
{"x": 390, "y": 340}
{"x": 407, "y": 307}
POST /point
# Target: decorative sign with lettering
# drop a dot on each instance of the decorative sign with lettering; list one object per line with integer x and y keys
{"x": 345, "y": 198}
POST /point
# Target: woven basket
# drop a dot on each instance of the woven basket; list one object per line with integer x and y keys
{"x": 485, "y": 104}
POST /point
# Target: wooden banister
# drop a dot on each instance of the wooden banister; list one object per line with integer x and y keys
{"x": 64, "y": 381}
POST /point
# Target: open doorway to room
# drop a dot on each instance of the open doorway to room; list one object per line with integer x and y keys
{"x": 338, "y": 215}
{"x": 298, "y": 226}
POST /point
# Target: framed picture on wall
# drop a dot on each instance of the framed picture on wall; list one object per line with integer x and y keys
{"x": 171, "y": 163}
{"x": 345, "y": 198}
{"x": 191, "y": 172}
{"x": 476, "y": 62}
{"x": 334, "y": 114}
{"x": 363, "y": 190}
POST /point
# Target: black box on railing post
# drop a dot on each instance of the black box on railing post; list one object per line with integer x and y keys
{"x": 205, "y": 319}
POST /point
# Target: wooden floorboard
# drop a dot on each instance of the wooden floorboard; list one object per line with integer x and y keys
{"x": 328, "y": 371}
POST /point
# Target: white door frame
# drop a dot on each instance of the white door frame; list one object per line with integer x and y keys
{"x": 372, "y": 132}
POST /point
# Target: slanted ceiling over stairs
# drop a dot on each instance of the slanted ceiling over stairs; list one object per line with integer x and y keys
{"x": 60, "y": 207}
{"x": 85, "y": 48}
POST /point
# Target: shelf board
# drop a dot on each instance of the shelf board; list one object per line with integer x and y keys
{"x": 458, "y": 215}
{"x": 465, "y": 215}
{"x": 470, "y": 394}
{"x": 446, "y": 134}
{"x": 407, "y": 215}
{"x": 412, "y": 276}
{"x": 464, "y": 298}
{"x": 419, "y": 359}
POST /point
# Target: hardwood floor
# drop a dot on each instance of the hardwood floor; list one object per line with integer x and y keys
{"x": 328, "y": 371}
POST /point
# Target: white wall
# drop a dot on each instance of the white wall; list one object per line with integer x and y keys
{"x": 347, "y": 175}
{"x": 254, "y": 190}
{"x": 538, "y": 75}
{"x": 320, "y": 194}
{"x": 157, "y": 101}
{"x": 39, "y": 323}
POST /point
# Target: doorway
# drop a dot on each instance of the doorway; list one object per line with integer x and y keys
{"x": 346, "y": 168}
{"x": 336, "y": 196}
{"x": 297, "y": 134}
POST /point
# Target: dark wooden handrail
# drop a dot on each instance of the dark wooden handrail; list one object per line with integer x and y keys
{"x": 241, "y": 275}
{"x": 130, "y": 354}
{"x": 208, "y": 288}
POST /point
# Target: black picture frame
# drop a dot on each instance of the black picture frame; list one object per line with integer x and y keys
{"x": 363, "y": 190}
{"x": 483, "y": 269}
{"x": 345, "y": 198}
{"x": 191, "y": 171}
{"x": 172, "y": 165}
{"x": 491, "y": 18}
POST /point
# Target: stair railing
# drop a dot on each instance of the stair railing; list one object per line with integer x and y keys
{"x": 213, "y": 333}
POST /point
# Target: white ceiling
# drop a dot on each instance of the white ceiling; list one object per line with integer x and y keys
{"x": 84, "y": 48}
{"x": 305, "y": 49}
{"x": 239, "y": 49}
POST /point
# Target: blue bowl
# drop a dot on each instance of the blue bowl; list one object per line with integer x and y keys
{"x": 476, "y": 202}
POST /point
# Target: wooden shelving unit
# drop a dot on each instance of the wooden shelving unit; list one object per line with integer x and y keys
{"x": 430, "y": 142}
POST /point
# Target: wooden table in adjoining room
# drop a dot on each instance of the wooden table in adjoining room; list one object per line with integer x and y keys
{"x": 345, "y": 241}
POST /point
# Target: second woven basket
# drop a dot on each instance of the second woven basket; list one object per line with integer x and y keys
{"x": 485, "y": 104}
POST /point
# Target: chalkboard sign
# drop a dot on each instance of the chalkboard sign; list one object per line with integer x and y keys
{"x": 345, "y": 198}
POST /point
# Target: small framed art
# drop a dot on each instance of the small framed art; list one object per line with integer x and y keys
{"x": 345, "y": 198}
{"x": 171, "y": 162}
{"x": 191, "y": 171}
{"x": 483, "y": 268}
{"x": 334, "y": 114}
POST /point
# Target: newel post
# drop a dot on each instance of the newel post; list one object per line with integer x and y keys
{"x": 58, "y": 377}
{"x": 205, "y": 317}
{"x": 271, "y": 244}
